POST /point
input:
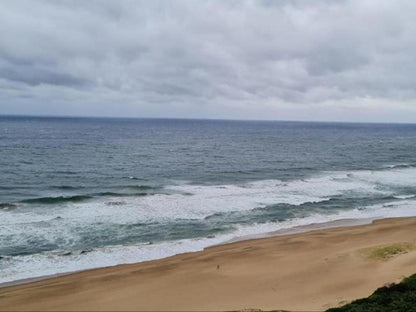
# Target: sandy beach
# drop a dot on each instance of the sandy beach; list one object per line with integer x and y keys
{"x": 300, "y": 272}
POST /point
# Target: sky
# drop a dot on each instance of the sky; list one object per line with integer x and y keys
{"x": 315, "y": 60}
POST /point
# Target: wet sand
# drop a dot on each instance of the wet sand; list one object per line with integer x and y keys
{"x": 308, "y": 271}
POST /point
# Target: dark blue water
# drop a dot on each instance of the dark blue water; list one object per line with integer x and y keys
{"x": 73, "y": 189}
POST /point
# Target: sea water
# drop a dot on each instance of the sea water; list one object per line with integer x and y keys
{"x": 80, "y": 193}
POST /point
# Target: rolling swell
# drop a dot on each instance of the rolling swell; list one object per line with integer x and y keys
{"x": 50, "y": 200}
{"x": 115, "y": 194}
{"x": 400, "y": 166}
{"x": 66, "y": 187}
{"x": 56, "y": 200}
{"x": 142, "y": 187}
{"x": 283, "y": 211}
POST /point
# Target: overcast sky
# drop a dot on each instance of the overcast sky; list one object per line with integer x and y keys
{"x": 290, "y": 60}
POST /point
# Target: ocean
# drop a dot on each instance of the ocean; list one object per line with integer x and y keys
{"x": 80, "y": 193}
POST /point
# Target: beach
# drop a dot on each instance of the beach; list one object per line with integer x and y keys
{"x": 207, "y": 156}
{"x": 309, "y": 271}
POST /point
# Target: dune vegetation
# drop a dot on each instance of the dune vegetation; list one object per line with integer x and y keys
{"x": 392, "y": 298}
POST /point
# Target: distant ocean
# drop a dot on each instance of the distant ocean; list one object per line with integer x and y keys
{"x": 79, "y": 193}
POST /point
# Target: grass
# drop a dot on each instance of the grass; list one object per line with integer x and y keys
{"x": 393, "y": 298}
{"x": 386, "y": 252}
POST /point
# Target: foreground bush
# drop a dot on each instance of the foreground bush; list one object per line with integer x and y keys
{"x": 394, "y": 298}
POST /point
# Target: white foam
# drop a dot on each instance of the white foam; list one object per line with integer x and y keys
{"x": 403, "y": 177}
{"x": 206, "y": 200}
{"x": 22, "y": 267}
{"x": 62, "y": 222}
{"x": 404, "y": 196}
{"x": 188, "y": 202}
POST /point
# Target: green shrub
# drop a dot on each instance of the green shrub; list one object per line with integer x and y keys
{"x": 393, "y": 298}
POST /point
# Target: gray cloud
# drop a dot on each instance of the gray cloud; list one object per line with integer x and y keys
{"x": 310, "y": 60}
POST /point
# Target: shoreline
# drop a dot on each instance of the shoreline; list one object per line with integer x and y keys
{"x": 304, "y": 229}
{"x": 223, "y": 277}
{"x": 285, "y": 231}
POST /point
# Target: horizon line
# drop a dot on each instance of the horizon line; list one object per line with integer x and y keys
{"x": 203, "y": 119}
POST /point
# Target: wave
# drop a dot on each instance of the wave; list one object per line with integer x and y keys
{"x": 53, "y": 262}
{"x": 50, "y": 200}
{"x": 176, "y": 222}
{"x": 136, "y": 178}
{"x": 142, "y": 187}
{"x": 132, "y": 187}
{"x": 172, "y": 202}
{"x": 56, "y": 200}
{"x": 400, "y": 166}
{"x": 115, "y": 194}
{"x": 8, "y": 206}
{"x": 68, "y": 172}
{"x": 404, "y": 196}
{"x": 66, "y": 187}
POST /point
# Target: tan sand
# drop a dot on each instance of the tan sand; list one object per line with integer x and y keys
{"x": 302, "y": 272}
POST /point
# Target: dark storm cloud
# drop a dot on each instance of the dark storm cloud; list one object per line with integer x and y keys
{"x": 236, "y": 59}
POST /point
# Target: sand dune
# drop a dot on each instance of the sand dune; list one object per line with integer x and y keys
{"x": 303, "y": 272}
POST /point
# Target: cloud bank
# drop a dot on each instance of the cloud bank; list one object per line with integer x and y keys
{"x": 299, "y": 60}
